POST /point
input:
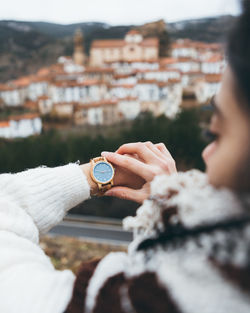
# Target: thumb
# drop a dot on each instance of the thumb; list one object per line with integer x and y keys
{"x": 126, "y": 194}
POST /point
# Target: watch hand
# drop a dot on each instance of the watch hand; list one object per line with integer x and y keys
{"x": 102, "y": 171}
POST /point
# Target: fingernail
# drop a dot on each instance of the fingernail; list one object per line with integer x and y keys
{"x": 105, "y": 153}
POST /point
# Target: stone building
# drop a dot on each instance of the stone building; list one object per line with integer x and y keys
{"x": 133, "y": 48}
{"x": 79, "y": 55}
{"x": 103, "y": 112}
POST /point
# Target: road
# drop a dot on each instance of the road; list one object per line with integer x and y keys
{"x": 95, "y": 230}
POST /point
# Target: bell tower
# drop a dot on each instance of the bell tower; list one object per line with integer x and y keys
{"x": 79, "y": 56}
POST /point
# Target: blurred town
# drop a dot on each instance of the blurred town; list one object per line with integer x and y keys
{"x": 117, "y": 81}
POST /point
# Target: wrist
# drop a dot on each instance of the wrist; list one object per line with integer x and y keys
{"x": 86, "y": 168}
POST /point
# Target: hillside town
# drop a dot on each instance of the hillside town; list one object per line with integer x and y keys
{"x": 116, "y": 82}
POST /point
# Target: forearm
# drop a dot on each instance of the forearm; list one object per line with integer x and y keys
{"x": 46, "y": 194}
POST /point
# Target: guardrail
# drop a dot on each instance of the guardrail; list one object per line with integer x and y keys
{"x": 92, "y": 219}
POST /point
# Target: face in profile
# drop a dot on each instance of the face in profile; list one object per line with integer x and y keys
{"x": 227, "y": 158}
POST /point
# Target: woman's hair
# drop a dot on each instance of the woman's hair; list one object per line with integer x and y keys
{"x": 238, "y": 53}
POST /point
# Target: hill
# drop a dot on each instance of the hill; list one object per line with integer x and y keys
{"x": 27, "y": 46}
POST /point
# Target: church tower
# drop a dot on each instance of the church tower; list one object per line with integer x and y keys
{"x": 79, "y": 56}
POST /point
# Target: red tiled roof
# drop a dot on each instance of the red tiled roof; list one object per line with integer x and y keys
{"x": 70, "y": 83}
{"x": 31, "y": 105}
{"x": 150, "y": 42}
{"x": 22, "y": 81}
{"x": 4, "y": 124}
{"x": 127, "y": 86}
{"x": 173, "y": 81}
{"x": 128, "y": 99}
{"x": 27, "y": 116}
{"x": 51, "y": 70}
{"x": 117, "y": 43}
{"x": 39, "y": 79}
{"x": 213, "y": 78}
{"x": 159, "y": 83}
{"x": 167, "y": 61}
{"x": 98, "y": 70}
{"x": 186, "y": 60}
{"x": 161, "y": 69}
{"x": 133, "y": 32}
{"x": 114, "y": 43}
{"x": 44, "y": 97}
{"x": 215, "y": 58}
{"x": 101, "y": 103}
{"x": 193, "y": 73}
{"x": 147, "y": 81}
{"x": 6, "y": 87}
{"x": 182, "y": 43}
{"x": 43, "y": 71}
{"x": 134, "y": 61}
{"x": 187, "y": 43}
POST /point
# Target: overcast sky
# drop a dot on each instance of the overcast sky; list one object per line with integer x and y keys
{"x": 114, "y": 11}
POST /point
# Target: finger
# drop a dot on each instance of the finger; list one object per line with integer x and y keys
{"x": 135, "y": 166}
{"x": 134, "y": 156}
{"x": 171, "y": 162}
{"x": 168, "y": 157}
{"x": 161, "y": 147}
{"x": 165, "y": 161}
{"x": 126, "y": 194}
{"x": 154, "y": 149}
{"x": 138, "y": 148}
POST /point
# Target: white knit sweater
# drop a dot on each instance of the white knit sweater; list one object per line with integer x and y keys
{"x": 31, "y": 203}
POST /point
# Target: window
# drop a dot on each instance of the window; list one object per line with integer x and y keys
{"x": 84, "y": 113}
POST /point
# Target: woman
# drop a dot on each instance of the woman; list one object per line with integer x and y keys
{"x": 190, "y": 251}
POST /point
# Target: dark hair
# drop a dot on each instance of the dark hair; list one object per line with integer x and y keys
{"x": 238, "y": 53}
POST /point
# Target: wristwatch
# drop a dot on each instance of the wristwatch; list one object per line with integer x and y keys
{"x": 102, "y": 173}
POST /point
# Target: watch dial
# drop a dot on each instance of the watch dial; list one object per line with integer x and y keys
{"x": 103, "y": 172}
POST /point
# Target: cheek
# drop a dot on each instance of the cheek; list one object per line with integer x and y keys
{"x": 217, "y": 160}
{"x": 223, "y": 160}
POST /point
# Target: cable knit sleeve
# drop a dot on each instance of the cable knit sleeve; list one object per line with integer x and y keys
{"x": 32, "y": 202}
{"x": 44, "y": 194}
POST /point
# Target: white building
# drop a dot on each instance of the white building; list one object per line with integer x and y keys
{"x": 104, "y": 112}
{"x": 122, "y": 91}
{"x": 83, "y": 92}
{"x": 184, "y": 48}
{"x": 160, "y": 97}
{"x": 21, "y": 126}
{"x": 5, "y": 129}
{"x": 186, "y": 65}
{"x": 45, "y": 105}
{"x": 207, "y": 87}
{"x": 12, "y": 96}
{"x": 131, "y": 67}
{"x": 213, "y": 65}
{"x": 69, "y": 65}
{"x": 38, "y": 87}
{"x": 129, "y": 108}
{"x": 161, "y": 75}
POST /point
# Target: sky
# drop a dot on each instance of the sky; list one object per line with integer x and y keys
{"x": 114, "y": 12}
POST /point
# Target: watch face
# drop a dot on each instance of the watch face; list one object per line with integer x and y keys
{"x": 103, "y": 172}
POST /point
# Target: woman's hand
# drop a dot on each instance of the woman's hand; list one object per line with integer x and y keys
{"x": 143, "y": 160}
